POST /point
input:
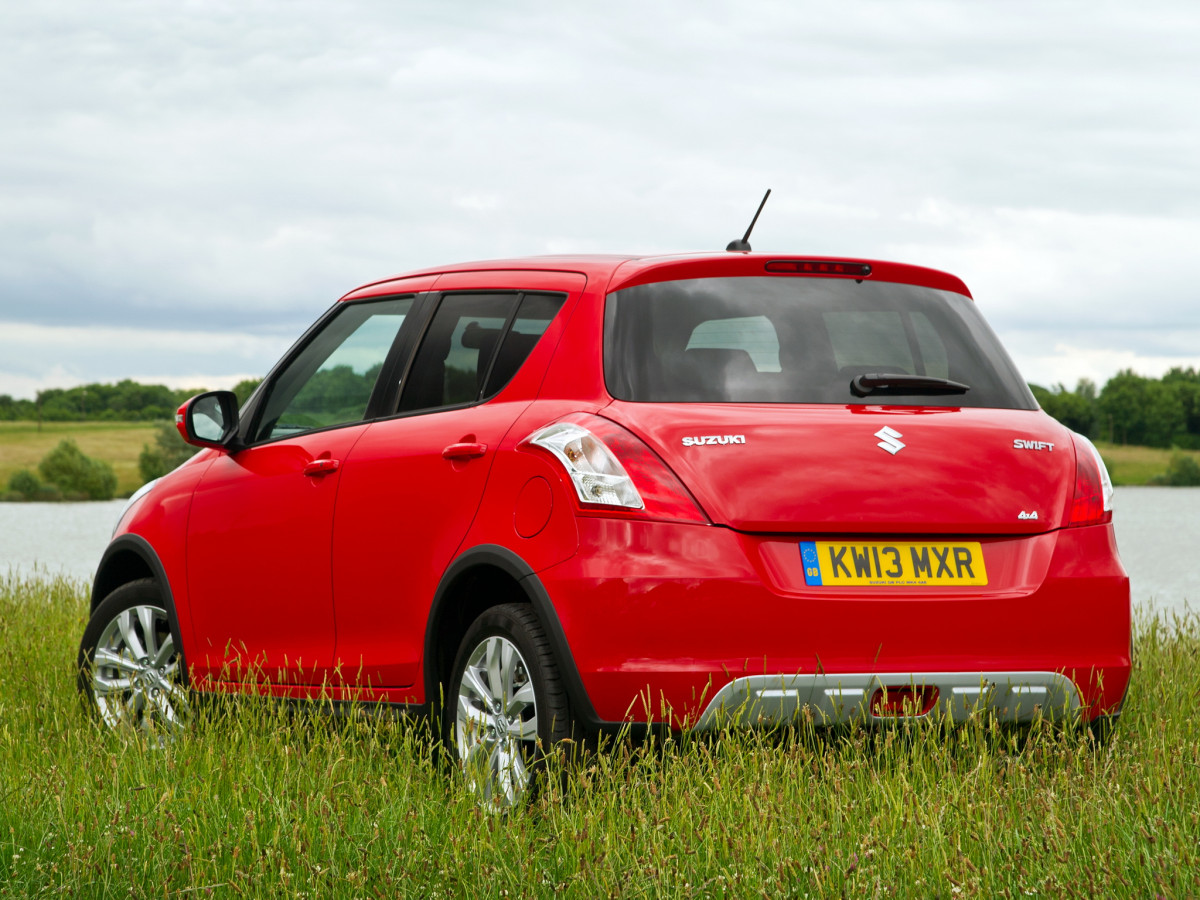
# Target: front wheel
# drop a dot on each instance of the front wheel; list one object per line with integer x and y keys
{"x": 130, "y": 671}
{"x": 506, "y": 705}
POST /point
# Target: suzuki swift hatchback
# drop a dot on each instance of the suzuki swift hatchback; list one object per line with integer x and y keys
{"x": 543, "y": 496}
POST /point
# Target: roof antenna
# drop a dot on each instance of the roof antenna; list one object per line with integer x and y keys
{"x": 744, "y": 243}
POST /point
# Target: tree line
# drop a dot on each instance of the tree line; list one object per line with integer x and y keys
{"x": 125, "y": 401}
{"x": 1131, "y": 408}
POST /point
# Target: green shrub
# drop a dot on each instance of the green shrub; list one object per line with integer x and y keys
{"x": 73, "y": 473}
{"x": 1186, "y": 441}
{"x": 25, "y": 483}
{"x": 168, "y": 453}
{"x": 1182, "y": 471}
{"x": 47, "y": 493}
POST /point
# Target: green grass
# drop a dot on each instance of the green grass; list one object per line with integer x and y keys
{"x": 257, "y": 802}
{"x": 22, "y": 446}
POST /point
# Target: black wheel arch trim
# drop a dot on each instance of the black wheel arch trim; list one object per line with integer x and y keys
{"x": 110, "y": 576}
{"x": 498, "y": 557}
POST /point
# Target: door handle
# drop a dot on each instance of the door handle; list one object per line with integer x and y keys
{"x": 321, "y": 466}
{"x": 464, "y": 451}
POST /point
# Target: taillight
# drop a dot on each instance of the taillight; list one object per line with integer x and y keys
{"x": 611, "y": 469}
{"x": 1092, "y": 504}
{"x": 598, "y": 476}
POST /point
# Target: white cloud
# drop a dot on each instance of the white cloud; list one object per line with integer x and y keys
{"x": 26, "y": 387}
{"x": 1066, "y": 364}
{"x": 112, "y": 354}
{"x": 234, "y": 167}
{"x": 1061, "y": 275}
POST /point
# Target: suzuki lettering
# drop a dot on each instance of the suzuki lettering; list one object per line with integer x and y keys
{"x": 714, "y": 439}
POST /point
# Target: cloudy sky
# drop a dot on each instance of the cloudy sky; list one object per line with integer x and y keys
{"x": 185, "y": 185}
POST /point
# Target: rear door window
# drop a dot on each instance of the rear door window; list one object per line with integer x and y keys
{"x": 475, "y": 343}
{"x": 534, "y": 315}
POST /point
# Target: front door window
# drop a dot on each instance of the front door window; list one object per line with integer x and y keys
{"x": 330, "y": 382}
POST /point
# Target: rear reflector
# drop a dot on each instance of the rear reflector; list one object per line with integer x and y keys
{"x": 903, "y": 701}
{"x": 818, "y": 267}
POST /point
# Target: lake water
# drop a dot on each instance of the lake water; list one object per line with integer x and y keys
{"x": 1157, "y": 531}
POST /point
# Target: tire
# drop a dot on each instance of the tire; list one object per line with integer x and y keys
{"x": 131, "y": 674}
{"x": 1102, "y": 728}
{"x": 506, "y": 706}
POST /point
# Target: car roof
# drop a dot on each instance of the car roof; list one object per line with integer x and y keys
{"x": 617, "y": 271}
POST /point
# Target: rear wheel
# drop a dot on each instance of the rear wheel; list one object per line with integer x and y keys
{"x": 130, "y": 671}
{"x": 506, "y": 706}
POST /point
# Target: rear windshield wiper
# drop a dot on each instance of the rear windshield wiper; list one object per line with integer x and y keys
{"x": 885, "y": 382}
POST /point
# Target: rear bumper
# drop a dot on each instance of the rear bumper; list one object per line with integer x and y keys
{"x": 1012, "y": 697}
{"x": 670, "y": 623}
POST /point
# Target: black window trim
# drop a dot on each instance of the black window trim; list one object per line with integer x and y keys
{"x": 392, "y": 377}
{"x": 504, "y": 331}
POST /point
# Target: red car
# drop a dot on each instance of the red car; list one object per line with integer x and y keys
{"x": 570, "y": 493}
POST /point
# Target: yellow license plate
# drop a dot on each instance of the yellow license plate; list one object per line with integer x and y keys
{"x": 837, "y": 563}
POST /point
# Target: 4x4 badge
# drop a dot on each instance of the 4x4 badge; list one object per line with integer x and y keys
{"x": 889, "y": 440}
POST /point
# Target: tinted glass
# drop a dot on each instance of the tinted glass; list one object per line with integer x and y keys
{"x": 800, "y": 340}
{"x": 754, "y": 334}
{"x": 533, "y": 318}
{"x": 330, "y": 381}
{"x": 456, "y": 351}
{"x": 463, "y": 358}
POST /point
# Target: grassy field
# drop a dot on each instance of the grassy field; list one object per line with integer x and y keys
{"x": 22, "y": 446}
{"x": 1137, "y": 465}
{"x": 255, "y": 802}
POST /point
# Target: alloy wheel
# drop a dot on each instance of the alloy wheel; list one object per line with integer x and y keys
{"x": 496, "y": 724}
{"x": 135, "y": 673}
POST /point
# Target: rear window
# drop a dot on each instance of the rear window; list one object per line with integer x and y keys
{"x": 801, "y": 340}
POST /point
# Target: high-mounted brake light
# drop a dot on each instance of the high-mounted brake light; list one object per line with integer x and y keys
{"x": 818, "y": 267}
{"x": 611, "y": 469}
{"x": 1092, "y": 503}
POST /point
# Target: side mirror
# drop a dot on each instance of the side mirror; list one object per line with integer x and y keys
{"x": 209, "y": 420}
